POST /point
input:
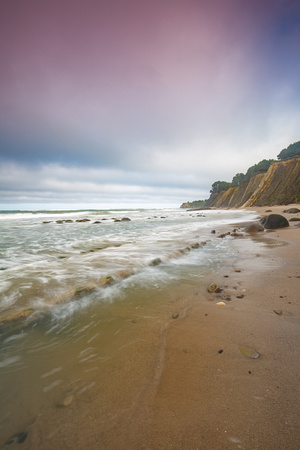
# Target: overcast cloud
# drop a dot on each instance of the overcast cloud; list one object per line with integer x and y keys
{"x": 142, "y": 103}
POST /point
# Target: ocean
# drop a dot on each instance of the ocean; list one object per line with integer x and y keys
{"x": 81, "y": 294}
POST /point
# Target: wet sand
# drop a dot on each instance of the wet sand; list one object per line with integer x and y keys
{"x": 184, "y": 383}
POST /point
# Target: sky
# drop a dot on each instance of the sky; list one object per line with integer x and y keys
{"x": 142, "y": 103}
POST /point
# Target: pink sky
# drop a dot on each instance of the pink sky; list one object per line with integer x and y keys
{"x": 166, "y": 89}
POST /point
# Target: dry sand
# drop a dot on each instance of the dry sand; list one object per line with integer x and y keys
{"x": 210, "y": 395}
{"x": 192, "y": 387}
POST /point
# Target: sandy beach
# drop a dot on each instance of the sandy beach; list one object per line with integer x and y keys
{"x": 205, "y": 393}
{"x": 210, "y": 395}
{"x": 188, "y": 382}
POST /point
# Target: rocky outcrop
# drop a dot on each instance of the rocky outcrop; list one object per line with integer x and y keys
{"x": 280, "y": 185}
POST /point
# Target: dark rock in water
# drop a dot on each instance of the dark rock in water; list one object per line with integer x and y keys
{"x": 60, "y": 221}
{"x": 253, "y": 228}
{"x": 97, "y": 221}
{"x": 69, "y": 221}
{"x": 47, "y": 221}
{"x": 117, "y": 220}
{"x": 196, "y": 245}
{"x": 155, "y": 262}
{"x": 126, "y": 219}
{"x": 83, "y": 220}
{"x": 224, "y": 235}
{"x": 274, "y": 221}
{"x": 292, "y": 211}
{"x": 295, "y": 219}
{"x": 213, "y": 231}
{"x": 17, "y": 438}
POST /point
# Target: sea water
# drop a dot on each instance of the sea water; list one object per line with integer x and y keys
{"x": 97, "y": 291}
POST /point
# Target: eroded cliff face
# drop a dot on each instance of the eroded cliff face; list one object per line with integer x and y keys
{"x": 279, "y": 186}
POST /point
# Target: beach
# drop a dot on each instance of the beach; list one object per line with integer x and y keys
{"x": 200, "y": 370}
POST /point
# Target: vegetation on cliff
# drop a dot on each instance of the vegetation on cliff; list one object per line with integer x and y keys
{"x": 268, "y": 182}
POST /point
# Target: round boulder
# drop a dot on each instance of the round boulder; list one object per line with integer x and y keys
{"x": 253, "y": 228}
{"x": 274, "y": 221}
{"x": 292, "y": 211}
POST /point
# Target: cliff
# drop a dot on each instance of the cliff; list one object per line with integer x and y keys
{"x": 280, "y": 185}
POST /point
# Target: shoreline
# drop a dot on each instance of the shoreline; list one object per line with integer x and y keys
{"x": 181, "y": 381}
{"x": 211, "y": 395}
{"x": 205, "y": 393}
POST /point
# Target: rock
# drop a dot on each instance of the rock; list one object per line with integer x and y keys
{"x": 212, "y": 288}
{"x": 196, "y": 245}
{"x": 175, "y": 315}
{"x": 295, "y": 219}
{"x": 240, "y": 296}
{"x": 218, "y": 290}
{"x": 253, "y": 228}
{"x": 274, "y": 221}
{"x": 47, "y": 221}
{"x": 224, "y": 235}
{"x": 16, "y": 316}
{"x": 126, "y": 273}
{"x": 107, "y": 281}
{"x": 235, "y": 234}
{"x": 126, "y": 219}
{"x": 82, "y": 220}
{"x": 117, "y": 220}
{"x": 97, "y": 221}
{"x": 83, "y": 290}
{"x": 60, "y": 221}
{"x": 292, "y": 211}
{"x": 237, "y": 270}
{"x": 249, "y": 353}
{"x": 221, "y": 303}
{"x": 278, "y": 312}
{"x": 69, "y": 221}
{"x": 67, "y": 400}
{"x": 155, "y": 262}
{"x": 268, "y": 210}
{"x": 220, "y": 351}
{"x": 213, "y": 231}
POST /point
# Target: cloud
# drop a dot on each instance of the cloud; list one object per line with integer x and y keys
{"x": 143, "y": 98}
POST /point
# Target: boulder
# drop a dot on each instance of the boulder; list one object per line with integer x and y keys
{"x": 292, "y": 211}
{"x": 155, "y": 262}
{"x": 253, "y": 228}
{"x": 274, "y": 221}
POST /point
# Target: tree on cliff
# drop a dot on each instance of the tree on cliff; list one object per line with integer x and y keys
{"x": 238, "y": 179}
{"x": 219, "y": 186}
{"x": 261, "y": 167}
{"x": 292, "y": 151}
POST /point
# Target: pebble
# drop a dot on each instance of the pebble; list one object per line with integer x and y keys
{"x": 175, "y": 315}
{"x": 238, "y": 270}
{"x": 249, "y": 353}
{"x": 278, "y": 312}
{"x": 67, "y": 400}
